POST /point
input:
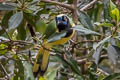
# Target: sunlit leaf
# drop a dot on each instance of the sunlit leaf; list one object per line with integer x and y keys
{"x": 3, "y": 49}
{"x": 42, "y": 78}
{"x": 115, "y": 14}
{"x": 111, "y": 5}
{"x": 104, "y": 24}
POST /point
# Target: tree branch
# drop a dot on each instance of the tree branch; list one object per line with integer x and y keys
{"x": 60, "y": 4}
{"x": 102, "y": 71}
{"x": 74, "y": 12}
{"x": 88, "y": 5}
{"x": 84, "y": 41}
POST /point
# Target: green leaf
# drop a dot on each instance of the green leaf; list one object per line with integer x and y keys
{"x": 51, "y": 75}
{"x": 56, "y": 36}
{"x": 113, "y": 11}
{"x": 59, "y": 58}
{"x": 115, "y": 14}
{"x": 28, "y": 71}
{"x": 15, "y": 20}
{"x": 50, "y": 29}
{"x": 85, "y": 20}
{"x": 113, "y": 76}
{"x": 40, "y": 26}
{"x": 30, "y": 18}
{"x": 3, "y": 49}
{"x": 16, "y": 77}
{"x": 21, "y": 31}
{"x": 111, "y": 5}
{"x": 5, "y": 21}
{"x": 97, "y": 53}
{"x": 113, "y": 53}
{"x": 106, "y": 10}
{"x": 101, "y": 42}
{"x": 70, "y": 1}
{"x": 72, "y": 63}
{"x": 7, "y": 7}
{"x": 0, "y": 28}
{"x": 84, "y": 31}
{"x": 43, "y": 11}
{"x": 41, "y": 78}
{"x": 19, "y": 66}
{"x": 105, "y": 24}
{"x": 78, "y": 77}
{"x": 69, "y": 62}
{"x": 6, "y": 18}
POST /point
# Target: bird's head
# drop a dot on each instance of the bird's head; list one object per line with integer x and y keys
{"x": 62, "y": 22}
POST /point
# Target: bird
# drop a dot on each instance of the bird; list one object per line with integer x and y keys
{"x": 63, "y": 23}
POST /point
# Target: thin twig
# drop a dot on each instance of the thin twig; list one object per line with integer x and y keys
{"x": 3, "y": 78}
{"x": 102, "y": 71}
{"x": 49, "y": 49}
{"x": 4, "y": 70}
{"x": 74, "y": 12}
{"x": 84, "y": 41}
{"x": 88, "y": 5}
{"x": 60, "y": 4}
{"x": 6, "y": 33}
{"x": 14, "y": 41}
{"x": 86, "y": 45}
{"x": 82, "y": 60}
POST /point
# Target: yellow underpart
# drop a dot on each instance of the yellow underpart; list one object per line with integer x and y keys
{"x": 45, "y": 50}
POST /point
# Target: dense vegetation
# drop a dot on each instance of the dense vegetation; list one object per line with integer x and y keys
{"x": 92, "y": 54}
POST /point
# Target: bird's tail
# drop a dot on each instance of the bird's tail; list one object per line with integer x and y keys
{"x": 42, "y": 60}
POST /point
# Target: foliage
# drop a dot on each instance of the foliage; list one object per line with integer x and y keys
{"x": 94, "y": 56}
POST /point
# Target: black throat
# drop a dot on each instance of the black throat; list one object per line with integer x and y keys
{"x": 62, "y": 27}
